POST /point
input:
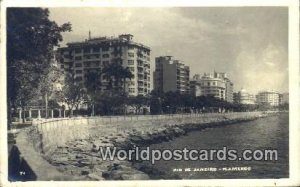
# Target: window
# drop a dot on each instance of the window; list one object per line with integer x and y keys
{"x": 78, "y": 65}
{"x": 140, "y": 63}
{"x": 62, "y": 66}
{"x": 131, "y": 90}
{"x": 130, "y": 47}
{"x": 97, "y": 63}
{"x": 78, "y": 71}
{"x": 96, "y": 49}
{"x": 77, "y": 50}
{"x": 130, "y": 62}
{"x": 131, "y": 83}
{"x": 105, "y": 48}
{"x": 105, "y": 63}
{"x": 78, "y": 58}
{"x": 86, "y": 50}
{"x": 131, "y": 69}
{"x": 67, "y": 56}
{"x": 87, "y": 64}
{"x": 105, "y": 55}
{"x": 131, "y": 54}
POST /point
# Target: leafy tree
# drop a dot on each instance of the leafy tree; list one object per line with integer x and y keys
{"x": 52, "y": 76}
{"x": 155, "y": 103}
{"x": 31, "y": 37}
{"x": 92, "y": 85}
{"x": 106, "y": 104}
{"x": 138, "y": 102}
{"x": 72, "y": 92}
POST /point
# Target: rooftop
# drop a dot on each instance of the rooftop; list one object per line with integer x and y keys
{"x": 124, "y": 38}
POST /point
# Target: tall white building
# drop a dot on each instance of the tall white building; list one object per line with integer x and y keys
{"x": 243, "y": 97}
{"x": 268, "y": 98}
{"x": 97, "y": 53}
{"x": 213, "y": 84}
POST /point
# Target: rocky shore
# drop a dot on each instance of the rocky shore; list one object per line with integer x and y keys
{"x": 80, "y": 157}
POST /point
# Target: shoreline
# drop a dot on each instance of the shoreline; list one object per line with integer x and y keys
{"x": 80, "y": 157}
{"x": 168, "y": 134}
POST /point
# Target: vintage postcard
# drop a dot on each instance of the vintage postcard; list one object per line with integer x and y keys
{"x": 150, "y": 93}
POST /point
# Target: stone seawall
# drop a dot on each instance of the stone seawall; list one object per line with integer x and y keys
{"x": 72, "y": 146}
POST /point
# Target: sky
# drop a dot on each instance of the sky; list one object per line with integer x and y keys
{"x": 249, "y": 43}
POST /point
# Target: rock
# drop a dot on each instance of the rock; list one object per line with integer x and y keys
{"x": 135, "y": 138}
{"x": 96, "y": 176}
{"x": 112, "y": 175}
{"x": 85, "y": 172}
{"x": 82, "y": 163}
{"x": 145, "y": 137}
{"x": 60, "y": 161}
{"x": 78, "y": 156}
{"x": 77, "y": 149}
{"x": 137, "y": 176}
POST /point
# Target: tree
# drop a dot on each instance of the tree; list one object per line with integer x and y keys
{"x": 72, "y": 92}
{"x": 31, "y": 37}
{"x": 137, "y": 102}
{"x": 155, "y": 102}
{"x": 93, "y": 84}
{"x": 116, "y": 74}
{"x": 107, "y": 104}
{"x": 51, "y": 77}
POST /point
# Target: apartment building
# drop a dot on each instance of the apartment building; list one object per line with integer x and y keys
{"x": 195, "y": 86}
{"x": 171, "y": 75}
{"x": 268, "y": 97}
{"x": 284, "y": 98}
{"x": 243, "y": 97}
{"x": 213, "y": 84}
{"x": 97, "y": 53}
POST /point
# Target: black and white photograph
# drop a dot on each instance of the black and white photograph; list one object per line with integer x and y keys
{"x": 149, "y": 93}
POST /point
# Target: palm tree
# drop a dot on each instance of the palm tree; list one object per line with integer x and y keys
{"x": 117, "y": 75}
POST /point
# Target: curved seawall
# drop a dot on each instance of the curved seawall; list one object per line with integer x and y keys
{"x": 70, "y": 146}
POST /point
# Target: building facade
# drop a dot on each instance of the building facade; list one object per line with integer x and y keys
{"x": 243, "y": 97}
{"x": 284, "y": 98}
{"x": 171, "y": 75}
{"x": 213, "y": 84}
{"x": 195, "y": 86}
{"x": 97, "y": 53}
{"x": 268, "y": 98}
